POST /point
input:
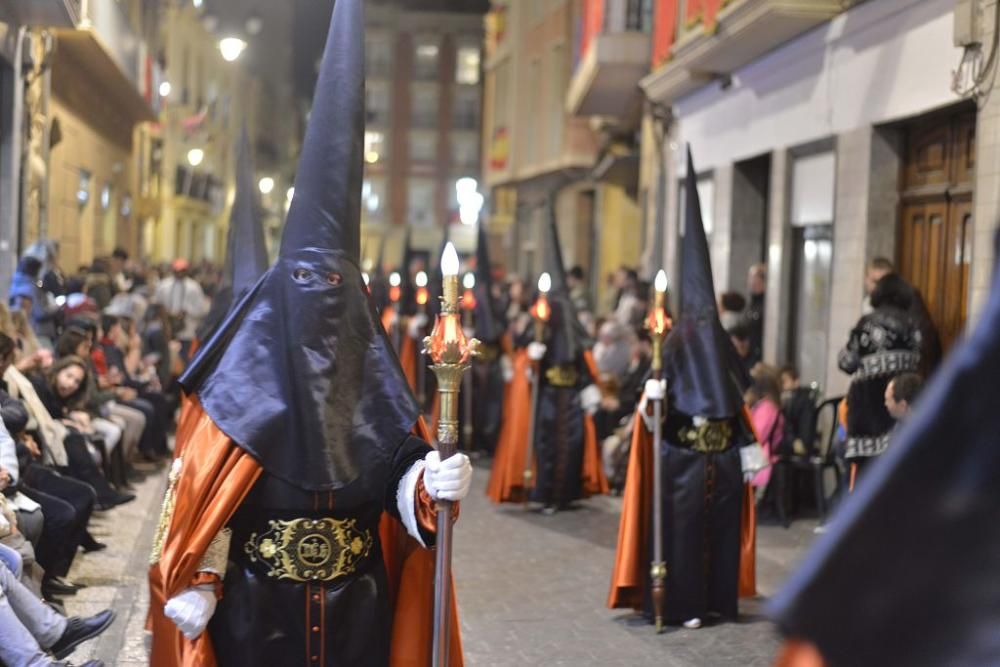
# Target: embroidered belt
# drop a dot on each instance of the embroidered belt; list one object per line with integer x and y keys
{"x": 710, "y": 437}
{"x": 310, "y": 549}
{"x": 562, "y": 376}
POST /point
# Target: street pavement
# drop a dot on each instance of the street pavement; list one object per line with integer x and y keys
{"x": 531, "y": 589}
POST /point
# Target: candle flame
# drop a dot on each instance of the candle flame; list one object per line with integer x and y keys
{"x": 544, "y": 283}
{"x": 469, "y": 281}
{"x": 421, "y": 279}
{"x": 395, "y": 280}
{"x": 449, "y": 261}
{"x": 661, "y": 281}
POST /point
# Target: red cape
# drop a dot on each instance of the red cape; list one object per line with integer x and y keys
{"x": 214, "y": 479}
{"x": 506, "y": 483}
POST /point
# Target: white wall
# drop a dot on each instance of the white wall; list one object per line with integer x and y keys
{"x": 881, "y": 61}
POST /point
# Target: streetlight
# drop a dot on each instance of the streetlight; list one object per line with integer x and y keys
{"x": 195, "y": 156}
{"x": 165, "y": 89}
{"x": 266, "y": 185}
{"x": 231, "y": 48}
{"x": 470, "y": 202}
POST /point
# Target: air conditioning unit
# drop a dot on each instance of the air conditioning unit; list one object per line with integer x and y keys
{"x": 966, "y": 29}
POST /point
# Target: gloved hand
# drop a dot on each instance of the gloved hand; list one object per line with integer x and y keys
{"x": 536, "y": 351}
{"x": 449, "y": 479}
{"x": 470, "y": 332}
{"x": 417, "y": 325}
{"x": 656, "y": 391}
{"x": 506, "y": 368}
{"x": 590, "y": 399}
{"x": 191, "y": 610}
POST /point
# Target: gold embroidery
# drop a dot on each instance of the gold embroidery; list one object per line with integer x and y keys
{"x": 166, "y": 512}
{"x": 216, "y": 557}
{"x": 711, "y": 436}
{"x": 562, "y": 376}
{"x": 310, "y": 549}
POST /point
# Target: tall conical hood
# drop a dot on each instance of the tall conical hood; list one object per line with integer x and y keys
{"x": 704, "y": 374}
{"x": 488, "y": 319}
{"x": 305, "y": 347}
{"x": 326, "y": 209}
{"x": 246, "y": 249}
{"x": 568, "y": 339}
{"x": 906, "y": 571}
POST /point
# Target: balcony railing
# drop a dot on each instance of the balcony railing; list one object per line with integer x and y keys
{"x": 613, "y": 54}
{"x": 719, "y": 39}
{"x": 111, "y": 25}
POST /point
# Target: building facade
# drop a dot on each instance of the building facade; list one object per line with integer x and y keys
{"x": 423, "y": 125}
{"x": 825, "y": 134}
{"x": 562, "y": 115}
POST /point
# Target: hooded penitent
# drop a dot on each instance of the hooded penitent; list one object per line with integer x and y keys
{"x": 708, "y": 513}
{"x": 704, "y": 375}
{"x": 246, "y": 249}
{"x": 568, "y": 339}
{"x": 906, "y": 572}
{"x": 305, "y": 347}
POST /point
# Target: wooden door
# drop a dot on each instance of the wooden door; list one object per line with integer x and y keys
{"x": 934, "y": 242}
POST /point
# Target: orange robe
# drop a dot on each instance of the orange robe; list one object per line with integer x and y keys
{"x": 506, "y": 483}
{"x": 628, "y": 579}
{"x": 215, "y": 477}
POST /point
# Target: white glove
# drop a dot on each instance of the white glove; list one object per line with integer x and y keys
{"x": 590, "y": 399}
{"x": 416, "y": 326}
{"x": 656, "y": 391}
{"x": 647, "y": 419}
{"x": 191, "y": 609}
{"x": 449, "y": 479}
{"x": 536, "y": 351}
{"x": 470, "y": 332}
{"x": 507, "y": 368}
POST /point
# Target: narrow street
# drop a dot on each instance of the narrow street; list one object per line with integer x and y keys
{"x": 531, "y": 589}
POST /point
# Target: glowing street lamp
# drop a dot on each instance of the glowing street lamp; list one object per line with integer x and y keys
{"x": 165, "y": 89}
{"x": 231, "y": 48}
{"x": 195, "y": 156}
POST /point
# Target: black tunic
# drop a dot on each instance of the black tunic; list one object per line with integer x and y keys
{"x": 702, "y": 505}
{"x": 265, "y": 621}
{"x": 559, "y": 440}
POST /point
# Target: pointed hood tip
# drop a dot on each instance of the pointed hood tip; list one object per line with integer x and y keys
{"x": 326, "y": 210}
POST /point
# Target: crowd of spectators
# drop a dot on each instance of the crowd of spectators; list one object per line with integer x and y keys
{"x": 88, "y": 396}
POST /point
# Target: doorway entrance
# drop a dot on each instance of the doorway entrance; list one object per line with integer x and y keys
{"x": 935, "y": 230}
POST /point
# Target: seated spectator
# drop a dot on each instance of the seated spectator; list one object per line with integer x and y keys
{"x": 799, "y": 409}
{"x": 613, "y": 350}
{"x": 764, "y": 399}
{"x": 900, "y": 394}
{"x": 31, "y": 631}
{"x": 62, "y": 390}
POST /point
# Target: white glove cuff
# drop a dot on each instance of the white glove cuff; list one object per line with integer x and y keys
{"x": 406, "y": 500}
{"x": 647, "y": 419}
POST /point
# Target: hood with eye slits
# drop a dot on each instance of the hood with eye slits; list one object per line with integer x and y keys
{"x": 300, "y": 374}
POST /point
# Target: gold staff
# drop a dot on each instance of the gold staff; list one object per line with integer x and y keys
{"x": 451, "y": 353}
{"x": 395, "y": 292}
{"x": 468, "y": 308}
{"x": 541, "y": 312}
{"x": 658, "y": 325}
{"x": 422, "y": 296}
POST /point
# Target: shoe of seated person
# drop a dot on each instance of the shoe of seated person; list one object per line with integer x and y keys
{"x": 79, "y": 630}
{"x": 53, "y": 587}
